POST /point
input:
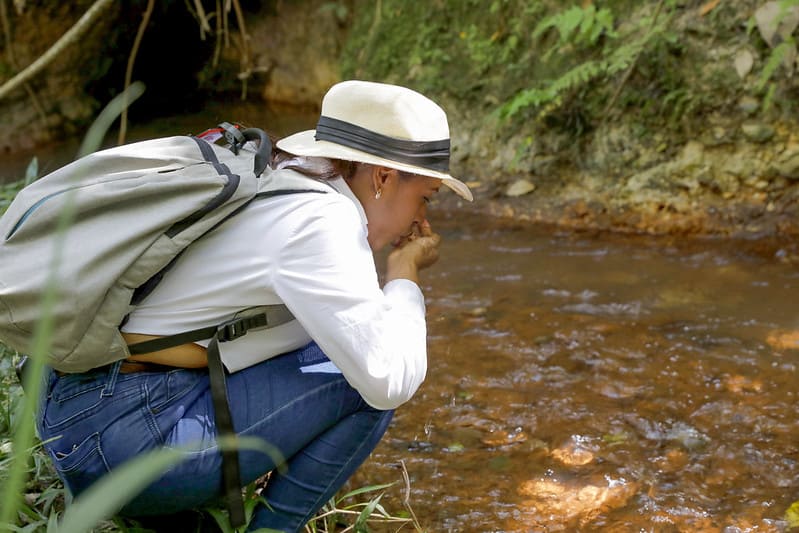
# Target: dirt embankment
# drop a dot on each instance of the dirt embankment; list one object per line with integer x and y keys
{"x": 687, "y": 139}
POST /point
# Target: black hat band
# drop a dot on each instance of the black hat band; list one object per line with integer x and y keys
{"x": 432, "y": 155}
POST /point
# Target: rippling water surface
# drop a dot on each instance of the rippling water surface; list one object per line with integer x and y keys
{"x": 584, "y": 382}
{"x": 600, "y": 383}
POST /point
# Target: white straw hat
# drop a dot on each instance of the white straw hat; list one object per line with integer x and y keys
{"x": 380, "y": 124}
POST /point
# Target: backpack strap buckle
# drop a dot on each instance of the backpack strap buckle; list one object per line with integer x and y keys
{"x": 233, "y": 136}
{"x": 233, "y": 329}
{"x": 237, "y": 138}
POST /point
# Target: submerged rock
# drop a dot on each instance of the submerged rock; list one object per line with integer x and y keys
{"x": 576, "y": 452}
{"x": 555, "y": 502}
{"x": 783, "y": 340}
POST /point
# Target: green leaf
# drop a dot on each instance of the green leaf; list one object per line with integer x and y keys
{"x": 570, "y": 21}
{"x": 360, "y": 522}
{"x": 455, "y": 447}
{"x": 768, "y": 98}
{"x": 221, "y": 519}
{"x": 775, "y": 59}
{"x": 792, "y": 515}
{"x": 94, "y": 137}
{"x": 362, "y": 490}
{"x": 32, "y": 171}
{"x": 587, "y": 22}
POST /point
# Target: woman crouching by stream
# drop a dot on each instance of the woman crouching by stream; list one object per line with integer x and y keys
{"x": 320, "y": 389}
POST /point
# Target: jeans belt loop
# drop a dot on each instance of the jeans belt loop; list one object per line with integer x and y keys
{"x": 113, "y": 373}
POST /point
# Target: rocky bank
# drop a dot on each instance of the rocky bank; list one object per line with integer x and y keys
{"x": 728, "y": 164}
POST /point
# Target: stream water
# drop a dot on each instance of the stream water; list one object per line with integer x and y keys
{"x": 584, "y": 382}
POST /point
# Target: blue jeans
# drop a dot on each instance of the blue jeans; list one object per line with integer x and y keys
{"x": 297, "y": 402}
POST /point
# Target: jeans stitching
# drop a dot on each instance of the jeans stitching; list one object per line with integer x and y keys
{"x": 82, "y": 414}
{"x": 168, "y": 396}
{"x": 113, "y": 373}
{"x": 147, "y": 414}
{"x": 320, "y": 388}
{"x": 320, "y": 501}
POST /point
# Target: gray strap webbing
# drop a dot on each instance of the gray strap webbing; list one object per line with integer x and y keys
{"x": 265, "y": 316}
{"x": 231, "y": 477}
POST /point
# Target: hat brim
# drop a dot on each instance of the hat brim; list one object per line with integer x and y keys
{"x": 305, "y": 144}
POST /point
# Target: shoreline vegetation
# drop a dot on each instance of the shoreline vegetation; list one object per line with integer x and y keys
{"x": 659, "y": 117}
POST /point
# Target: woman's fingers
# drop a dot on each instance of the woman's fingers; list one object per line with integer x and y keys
{"x": 424, "y": 229}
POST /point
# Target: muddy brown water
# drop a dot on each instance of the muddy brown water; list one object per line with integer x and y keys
{"x": 600, "y": 383}
{"x": 584, "y": 382}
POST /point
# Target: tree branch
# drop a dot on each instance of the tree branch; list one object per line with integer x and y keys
{"x": 123, "y": 120}
{"x": 246, "y": 62}
{"x": 12, "y": 60}
{"x": 72, "y": 35}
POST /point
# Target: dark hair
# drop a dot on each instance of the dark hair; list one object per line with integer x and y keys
{"x": 320, "y": 168}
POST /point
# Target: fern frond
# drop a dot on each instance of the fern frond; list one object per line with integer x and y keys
{"x": 579, "y": 75}
{"x": 587, "y": 22}
{"x": 550, "y": 97}
{"x": 621, "y": 58}
{"x": 533, "y": 97}
{"x": 582, "y": 25}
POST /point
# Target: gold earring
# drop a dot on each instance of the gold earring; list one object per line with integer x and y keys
{"x": 378, "y": 194}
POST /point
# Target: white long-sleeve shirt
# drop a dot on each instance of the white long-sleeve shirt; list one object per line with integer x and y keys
{"x": 308, "y": 251}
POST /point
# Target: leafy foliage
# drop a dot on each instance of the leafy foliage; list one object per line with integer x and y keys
{"x": 579, "y": 31}
{"x": 578, "y": 25}
{"x": 547, "y": 68}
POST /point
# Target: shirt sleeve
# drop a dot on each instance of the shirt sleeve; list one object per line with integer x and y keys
{"x": 326, "y": 276}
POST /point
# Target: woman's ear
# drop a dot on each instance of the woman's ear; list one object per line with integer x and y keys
{"x": 383, "y": 178}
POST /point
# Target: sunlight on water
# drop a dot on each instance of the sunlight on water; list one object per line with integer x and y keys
{"x": 585, "y": 383}
{"x": 601, "y": 383}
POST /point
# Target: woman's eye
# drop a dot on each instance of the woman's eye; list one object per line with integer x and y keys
{"x": 426, "y": 200}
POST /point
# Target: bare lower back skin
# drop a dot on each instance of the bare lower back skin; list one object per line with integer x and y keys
{"x": 188, "y": 355}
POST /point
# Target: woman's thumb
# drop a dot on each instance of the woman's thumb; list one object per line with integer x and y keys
{"x": 425, "y": 229}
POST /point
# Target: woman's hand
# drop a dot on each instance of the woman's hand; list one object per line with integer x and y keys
{"x": 413, "y": 252}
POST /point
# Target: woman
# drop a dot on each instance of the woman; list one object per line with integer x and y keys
{"x": 320, "y": 389}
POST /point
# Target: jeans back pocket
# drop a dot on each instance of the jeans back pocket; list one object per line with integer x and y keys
{"x": 79, "y": 465}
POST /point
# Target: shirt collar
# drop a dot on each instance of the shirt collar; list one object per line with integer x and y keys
{"x": 341, "y": 185}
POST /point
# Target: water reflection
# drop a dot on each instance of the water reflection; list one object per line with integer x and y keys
{"x": 601, "y": 383}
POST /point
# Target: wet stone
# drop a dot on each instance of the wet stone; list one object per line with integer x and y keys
{"x": 783, "y": 340}
{"x": 576, "y": 452}
{"x": 757, "y": 132}
{"x": 787, "y": 165}
{"x": 559, "y": 502}
{"x": 520, "y": 188}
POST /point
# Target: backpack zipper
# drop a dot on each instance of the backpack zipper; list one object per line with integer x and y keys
{"x": 33, "y": 208}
